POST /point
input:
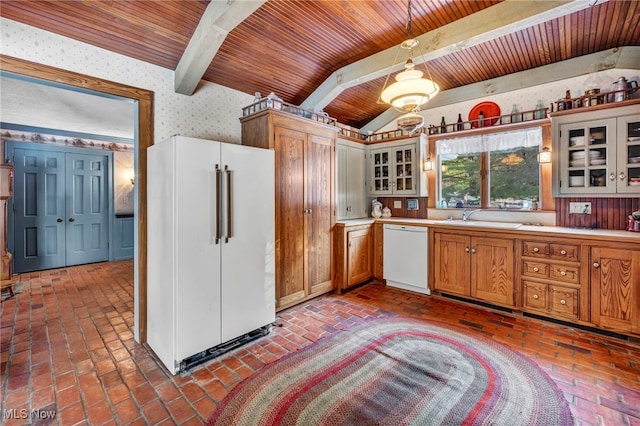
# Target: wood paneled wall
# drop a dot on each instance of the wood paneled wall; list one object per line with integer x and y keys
{"x": 606, "y": 213}
{"x": 421, "y": 213}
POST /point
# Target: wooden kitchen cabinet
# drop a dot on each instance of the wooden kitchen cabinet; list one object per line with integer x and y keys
{"x": 305, "y": 201}
{"x": 354, "y": 254}
{"x": 551, "y": 276}
{"x": 476, "y": 266}
{"x": 378, "y": 251}
{"x": 615, "y": 288}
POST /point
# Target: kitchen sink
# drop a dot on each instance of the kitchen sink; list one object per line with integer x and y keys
{"x": 481, "y": 224}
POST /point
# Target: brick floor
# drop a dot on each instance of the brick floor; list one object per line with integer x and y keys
{"x": 67, "y": 348}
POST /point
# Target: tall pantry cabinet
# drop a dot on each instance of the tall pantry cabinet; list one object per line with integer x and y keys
{"x": 305, "y": 200}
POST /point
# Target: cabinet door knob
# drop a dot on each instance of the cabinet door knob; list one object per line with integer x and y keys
{"x": 536, "y": 249}
{"x": 536, "y": 269}
{"x": 563, "y": 302}
{"x": 71, "y": 219}
{"x": 622, "y": 176}
{"x": 612, "y": 176}
{"x": 466, "y": 250}
{"x": 535, "y": 296}
{"x": 596, "y": 265}
{"x": 563, "y": 252}
{"x": 473, "y": 251}
{"x": 59, "y": 220}
{"x": 563, "y": 273}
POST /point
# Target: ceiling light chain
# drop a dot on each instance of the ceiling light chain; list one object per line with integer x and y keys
{"x": 411, "y": 89}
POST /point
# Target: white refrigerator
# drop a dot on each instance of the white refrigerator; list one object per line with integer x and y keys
{"x": 210, "y": 247}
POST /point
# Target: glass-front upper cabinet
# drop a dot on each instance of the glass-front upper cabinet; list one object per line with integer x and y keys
{"x": 628, "y": 177}
{"x": 381, "y": 168}
{"x": 587, "y": 156}
{"x": 598, "y": 153}
{"x": 395, "y": 168}
{"x": 404, "y": 168}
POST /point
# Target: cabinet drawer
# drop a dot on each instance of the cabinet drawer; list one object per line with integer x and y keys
{"x": 564, "y": 301}
{"x": 535, "y": 248}
{"x": 535, "y": 269}
{"x": 570, "y": 274}
{"x": 564, "y": 252}
{"x": 535, "y": 296}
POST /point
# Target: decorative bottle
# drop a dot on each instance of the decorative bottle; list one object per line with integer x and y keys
{"x": 539, "y": 113}
{"x": 481, "y": 119}
{"x": 459, "y": 126}
{"x": 515, "y": 115}
{"x": 443, "y": 126}
{"x": 568, "y": 103}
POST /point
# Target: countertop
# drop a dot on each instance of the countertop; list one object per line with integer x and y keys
{"x": 599, "y": 234}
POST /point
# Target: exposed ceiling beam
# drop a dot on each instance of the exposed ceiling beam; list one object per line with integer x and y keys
{"x": 488, "y": 24}
{"x": 220, "y": 17}
{"x": 627, "y": 57}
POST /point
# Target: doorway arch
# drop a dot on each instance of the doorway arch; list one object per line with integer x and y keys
{"x": 144, "y": 130}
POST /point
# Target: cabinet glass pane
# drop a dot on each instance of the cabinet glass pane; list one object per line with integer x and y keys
{"x": 598, "y": 135}
{"x": 633, "y": 152}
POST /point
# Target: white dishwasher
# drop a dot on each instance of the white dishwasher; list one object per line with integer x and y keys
{"x": 405, "y": 259}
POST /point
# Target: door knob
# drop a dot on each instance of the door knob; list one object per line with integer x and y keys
{"x": 71, "y": 219}
{"x": 59, "y": 220}
{"x": 596, "y": 265}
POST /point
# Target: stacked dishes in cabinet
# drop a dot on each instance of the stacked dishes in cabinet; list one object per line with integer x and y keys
{"x": 594, "y": 159}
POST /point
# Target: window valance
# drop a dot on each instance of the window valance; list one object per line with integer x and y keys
{"x": 524, "y": 138}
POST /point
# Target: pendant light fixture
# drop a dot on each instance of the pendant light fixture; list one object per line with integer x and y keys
{"x": 410, "y": 90}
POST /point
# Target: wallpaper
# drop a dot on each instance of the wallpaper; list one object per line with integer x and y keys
{"x": 211, "y": 113}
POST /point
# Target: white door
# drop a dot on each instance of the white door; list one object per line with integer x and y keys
{"x": 248, "y": 245}
{"x": 197, "y": 257}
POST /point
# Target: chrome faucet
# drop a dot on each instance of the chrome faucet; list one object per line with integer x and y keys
{"x": 466, "y": 214}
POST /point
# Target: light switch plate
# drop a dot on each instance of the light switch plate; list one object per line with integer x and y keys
{"x": 397, "y": 204}
{"x": 579, "y": 208}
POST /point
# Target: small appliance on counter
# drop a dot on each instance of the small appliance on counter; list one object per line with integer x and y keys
{"x": 376, "y": 209}
{"x": 633, "y": 224}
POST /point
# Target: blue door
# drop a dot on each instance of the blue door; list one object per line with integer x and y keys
{"x": 61, "y": 209}
{"x": 87, "y": 236}
{"x": 39, "y": 212}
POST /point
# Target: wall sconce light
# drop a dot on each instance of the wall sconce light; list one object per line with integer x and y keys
{"x": 544, "y": 156}
{"x": 427, "y": 165}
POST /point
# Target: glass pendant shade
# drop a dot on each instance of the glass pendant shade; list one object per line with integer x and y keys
{"x": 410, "y": 122}
{"x": 409, "y": 91}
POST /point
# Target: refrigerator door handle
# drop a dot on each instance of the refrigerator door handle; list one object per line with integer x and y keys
{"x": 227, "y": 170}
{"x": 218, "y": 217}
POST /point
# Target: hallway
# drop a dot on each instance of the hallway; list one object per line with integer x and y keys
{"x": 67, "y": 349}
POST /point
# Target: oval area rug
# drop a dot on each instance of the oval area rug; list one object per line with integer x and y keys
{"x": 397, "y": 371}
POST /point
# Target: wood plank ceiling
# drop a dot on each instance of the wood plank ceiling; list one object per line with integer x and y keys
{"x": 290, "y": 47}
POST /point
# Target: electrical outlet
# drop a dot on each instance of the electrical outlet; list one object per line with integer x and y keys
{"x": 579, "y": 208}
{"x": 397, "y": 204}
